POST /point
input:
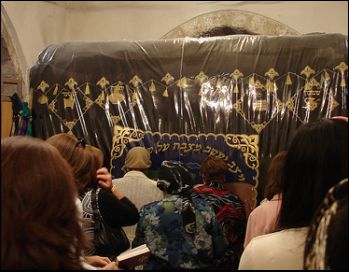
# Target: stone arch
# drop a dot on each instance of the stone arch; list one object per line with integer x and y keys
{"x": 14, "y": 68}
{"x": 234, "y": 18}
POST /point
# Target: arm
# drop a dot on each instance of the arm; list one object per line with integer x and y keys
{"x": 116, "y": 209}
{"x": 97, "y": 261}
{"x": 105, "y": 181}
{"x": 117, "y": 212}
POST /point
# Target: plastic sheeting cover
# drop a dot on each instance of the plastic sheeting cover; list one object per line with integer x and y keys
{"x": 236, "y": 97}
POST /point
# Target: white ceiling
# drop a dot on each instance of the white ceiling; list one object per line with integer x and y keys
{"x": 104, "y": 4}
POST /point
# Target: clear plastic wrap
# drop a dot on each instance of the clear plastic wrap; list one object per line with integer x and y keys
{"x": 236, "y": 97}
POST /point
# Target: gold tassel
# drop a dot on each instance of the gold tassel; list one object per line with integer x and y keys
{"x": 55, "y": 90}
{"x": 165, "y": 93}
{"x": 236, "y": 89}
{"x": 288, "y": 80}
{"x": 327, "y": 76}
{"x": 134, "y": 97}
{"x": 270, "y": 86}
{"x": 87, "y": 89}
{"x": 343, "y": 83}
{"x": 43, "y": 99}
{"x": 152, "y": 87}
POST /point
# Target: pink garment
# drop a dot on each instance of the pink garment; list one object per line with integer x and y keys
{"x": 263, "y": 219}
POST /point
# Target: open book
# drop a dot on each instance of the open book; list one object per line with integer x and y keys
{"x": 134, "y": 257}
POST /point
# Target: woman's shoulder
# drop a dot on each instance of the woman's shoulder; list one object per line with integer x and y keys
{"x": 279, "y": 237}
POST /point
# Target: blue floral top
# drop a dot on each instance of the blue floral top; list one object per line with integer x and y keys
{"x": 173, "y": 243}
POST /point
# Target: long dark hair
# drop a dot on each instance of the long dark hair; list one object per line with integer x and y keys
{"x": 317, "y": 159}
{"x": 40, "y": 227}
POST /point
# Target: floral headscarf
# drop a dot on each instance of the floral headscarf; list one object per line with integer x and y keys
{"x": 326, "y": 236}
{"x": 174, "y": 177}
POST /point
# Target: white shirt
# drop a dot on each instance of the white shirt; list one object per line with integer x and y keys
{"x": 141, "y": 190}
{"x": 282, "y": 250}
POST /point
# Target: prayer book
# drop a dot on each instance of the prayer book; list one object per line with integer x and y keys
{"x": 134, "y": 257}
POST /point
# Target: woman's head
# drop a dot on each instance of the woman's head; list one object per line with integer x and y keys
{"x": 137, "y": 158}
{"x": 213, "y": 170}
{"x": 317, "y": 159}
{"x": 40, "y": 225}
{"x": 326, "y": 247}
{"x": 275, "y": 169}
{"x": 173, "y": 177}
{"x": 77, "y": 154}
{"x": 97, "y": 157}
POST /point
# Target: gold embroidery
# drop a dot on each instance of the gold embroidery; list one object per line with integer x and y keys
{"x": 71, "y": 83}
{"x": 103, "y": 82}
{"x": 115, "y": 119}
{"x": 182, "y": 83}
{"x": 88, "y": 103}
{"x": 42, "y": 99}
{"x": 87, "y": 89}
{"x": 270, "y": 86}
{"x": 251, "y": 81}
{"x": 342, "y": 67}
{"x": 152, "y": 87}
{"x": 310, "y": 85}
{"x": 259, "y": 85}
{"x": 68, "y": 100}
{"x": 236, "y": 89}
{"x": 52, "y": 106}
{"x": 135, "y": 98}
{"x": 43, "y": 86}
{"x": 236, "y": 74}
{"x": 201, "y": 77}
{"x": 69, "y": 124}
{"x": 135, "y": 81}
{"x": 100, "y": 99}
{"x": 167, "y": 78}
{"x": 307, "y": 71}
{"x": 271, "y": 73}
{"x": 326, "y": 76}
{"x": 247, "y": 144}
{"x": 259, "y": 127}
{"x": 55, "y": 90}
{"x": 343, "y": 83}
{"x": 123, "y": 136}
{"x": 165, "y": 93}
{"x": 116, "y": 96}
{"x": 310, "y": 103}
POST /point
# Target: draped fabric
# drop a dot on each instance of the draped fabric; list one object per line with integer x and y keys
{"x": 236, "y": 97}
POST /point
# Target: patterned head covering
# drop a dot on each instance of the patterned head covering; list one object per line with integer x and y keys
{"x": 326, "y": 245}
{"x": 138, "y": 158}
{"x": 174, "y": 177}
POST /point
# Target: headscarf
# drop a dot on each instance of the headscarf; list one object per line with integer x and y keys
{"x": 138, "y": 158}
{"x": 328, "y": 233}
{"x": 174, "y": 177}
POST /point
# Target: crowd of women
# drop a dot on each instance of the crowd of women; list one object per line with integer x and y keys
{"x": 51, "y": 191}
